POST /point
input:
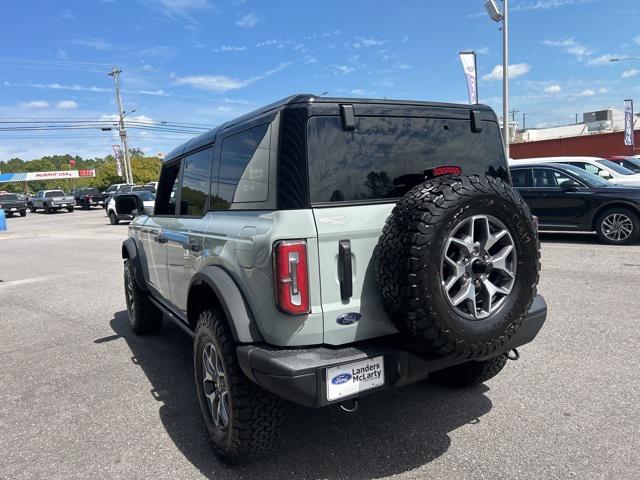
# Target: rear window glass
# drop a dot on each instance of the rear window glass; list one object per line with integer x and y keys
{"x": 383, "y": 157}
{"x": 54, "y": 193}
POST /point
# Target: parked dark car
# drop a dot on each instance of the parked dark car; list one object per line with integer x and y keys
{"x": 88, "y": 197}
{"x": 567, "y": 198}
{"x": 630, "y": 163}
{"x": 13, "y": 203}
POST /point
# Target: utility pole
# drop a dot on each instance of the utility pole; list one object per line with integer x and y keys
{"x": 115, "y": 73}
{"x": 524, "y": 121}
{"x": 577, "y": 118}
{"x": 513, "y": 114}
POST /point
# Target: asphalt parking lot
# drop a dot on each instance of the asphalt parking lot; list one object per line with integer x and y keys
{"x": 82, "y": 397}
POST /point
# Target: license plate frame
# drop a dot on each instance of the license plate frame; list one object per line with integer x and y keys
{"x": 355, "y": 377}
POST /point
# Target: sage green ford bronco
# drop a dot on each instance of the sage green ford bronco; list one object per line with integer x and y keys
{"x": 319, "y": 249}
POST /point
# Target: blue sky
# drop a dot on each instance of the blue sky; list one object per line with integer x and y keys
{"x": 206, "y": 61}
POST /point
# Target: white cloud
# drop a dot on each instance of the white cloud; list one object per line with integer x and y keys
{"x": 569, "y": 45}
{"x": 515, "y": 71}
{"x": 224, "y": 83}
{"x": 482, "y": 50}
{"x": 404, "y": 66}
{"x": 555, "y": 88}
{"x": 585, "y": 93}
{"x": 637, "y": 39}
{"x": 344, "y": 69}
{"x": 630, "y": 73}
{"x": 36, "y": 104}
{"x": 249, "y": 20}
{"x": 155, "y": 93}
{"x": 73, "y": 87}
{"x": 310, "y": 60}
{"x": 362, "y": 42}
{"x": 547, "y": 4}
{"x": 93, "y": 43}
{"x": 69, "y": 15}
{"x": 602, "y": 59}
{"x": 603, "y": 90}
{"x": 66, "y": 104}
{"x": 357, "y": 91}
{"x": 161, "y": 52}
{"x": 229, "y": 48}
{"x": 181, "y": 9}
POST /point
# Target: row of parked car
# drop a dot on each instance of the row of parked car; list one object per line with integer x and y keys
{"x": 583, "y": 194}
{"x": 86, "y": 197}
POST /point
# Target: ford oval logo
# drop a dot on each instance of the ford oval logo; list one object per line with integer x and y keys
{"x": 341, "y": 378}
{"x": 348, "y": 318}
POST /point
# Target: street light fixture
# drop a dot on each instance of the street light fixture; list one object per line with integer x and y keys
{"x": 503, "y": 16}
{"x": 621, "y": 59}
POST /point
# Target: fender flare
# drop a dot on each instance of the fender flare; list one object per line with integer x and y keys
{"x": 243, "y": 326}
{"x": 130, "y": 251}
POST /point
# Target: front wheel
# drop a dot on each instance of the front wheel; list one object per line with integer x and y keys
{"x": 617, "y": 226}
{"x": 47, "y": 209}
{"x": 113, "y": 219}
{"x": 32, "y": 209}
{"x": 242, "y": 418}
{"x": 23, "y": 213}
{"x": 70, "y": 209}
{"x": 470, "y": 373}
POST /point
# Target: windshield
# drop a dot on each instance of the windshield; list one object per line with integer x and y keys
{"x": 590, "y": 179}
{"x": 615, "y": 167}
{"x": 146, "y": 196}
{"x": 9, "y": 196}
{"x": 91, "y": 191}
{"x": 54, "y": 193}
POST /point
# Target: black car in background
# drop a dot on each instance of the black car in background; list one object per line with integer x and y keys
{"x": 88, "y": 197}
{"x": 13, "y": 203}
{"x": 567, "y": 198}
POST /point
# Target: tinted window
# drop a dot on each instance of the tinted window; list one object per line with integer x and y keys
{"x": 146, "y": 196}
{"x": 244, "y": 167}
{"x": 588, "y": 178}
{"x": 616, "y": 168}
{"x": 8, "y": 196}
{"x": 54, "y": 193}
{"x": 521, "y": 177}
{"x": 545, "y": 177}
{"x": 383, "y": 157}
{"x": 196, "y": 179}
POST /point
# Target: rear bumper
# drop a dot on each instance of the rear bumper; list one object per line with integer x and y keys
{"x": 299, "y": 374}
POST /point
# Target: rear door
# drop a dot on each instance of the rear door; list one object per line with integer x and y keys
{"x": 355, "y": 177}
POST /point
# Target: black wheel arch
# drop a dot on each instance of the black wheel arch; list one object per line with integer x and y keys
{"x": 213, "y": 286}
{"x": 613, "y": 204}
{"x": 130, "y": 251}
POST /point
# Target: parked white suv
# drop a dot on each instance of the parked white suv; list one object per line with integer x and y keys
{"x": 602, "y": 167}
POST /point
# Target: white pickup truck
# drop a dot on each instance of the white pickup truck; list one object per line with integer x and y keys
{"x": 51, "y": 201}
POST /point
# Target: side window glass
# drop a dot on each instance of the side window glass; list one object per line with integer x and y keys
{"x": 561, "y": 177}
{"x": 166, "y": 198}
{"x": 592, "y": 168}
{"x": 196, "y": 178}
{"x": 544, "y": 178}
{"x": 244, "y": 168}
{"x": 521, "y": 177}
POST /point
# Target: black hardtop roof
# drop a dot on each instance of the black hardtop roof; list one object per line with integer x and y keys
{"x": 208, "y": 137}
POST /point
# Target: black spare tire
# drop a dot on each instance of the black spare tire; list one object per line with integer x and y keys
{"x": 458, "y": 264}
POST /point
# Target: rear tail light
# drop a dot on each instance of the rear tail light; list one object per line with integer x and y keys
{"x": 443, "y": 170}
{"x": 291, "y": 276}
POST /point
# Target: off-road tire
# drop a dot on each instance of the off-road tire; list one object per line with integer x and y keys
{"x": 70, "y": 209}
{"x": 47, "y": 209}
{"x": 8, "y": 214}
{"x": 23, "y": 213}
{"x": 113, "y": 218}
{"x": 409, "y": 260}
{"x": 255, "y": 415}
{"x": 634, "y": 220}
{"x": 32, "y": 209}
{"x": 470, "y": 373}
{"x": 144, "y": 316}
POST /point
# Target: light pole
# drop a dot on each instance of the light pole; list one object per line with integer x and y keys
{"x": 115, "y": 73}
{"x": 503, "y": 16}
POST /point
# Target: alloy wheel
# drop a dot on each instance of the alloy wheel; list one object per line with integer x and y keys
{"x": 617, "y": 227}
{"x": 478, "y": 268}
{"x": 214, "y": 382}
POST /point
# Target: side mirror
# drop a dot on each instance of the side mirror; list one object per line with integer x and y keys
{"x": 604, "y": 174}
{"x": 569, "y": 185}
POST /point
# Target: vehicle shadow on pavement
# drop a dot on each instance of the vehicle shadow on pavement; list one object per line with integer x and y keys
{"x": 393, "y": 431}
{"x": 577, "y": 238}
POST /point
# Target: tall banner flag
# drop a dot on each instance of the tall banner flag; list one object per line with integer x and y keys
{"x": 468, "y": 60}
{"x": 118, "y": 153}
{"x": 628, "y": 123}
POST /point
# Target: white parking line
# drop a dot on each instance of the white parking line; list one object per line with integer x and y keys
{"x": 26, "y": 280}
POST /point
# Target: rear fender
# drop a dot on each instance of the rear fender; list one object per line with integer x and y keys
{"x": 130, "y": 251}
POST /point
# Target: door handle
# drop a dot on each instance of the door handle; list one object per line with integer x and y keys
{"x": 194, "y": 247}
{"x": 160, "y": 238}
{"x": 344, "y": 269}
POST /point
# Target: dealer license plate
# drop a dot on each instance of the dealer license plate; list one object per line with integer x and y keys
{"x": 354, "y": 377}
